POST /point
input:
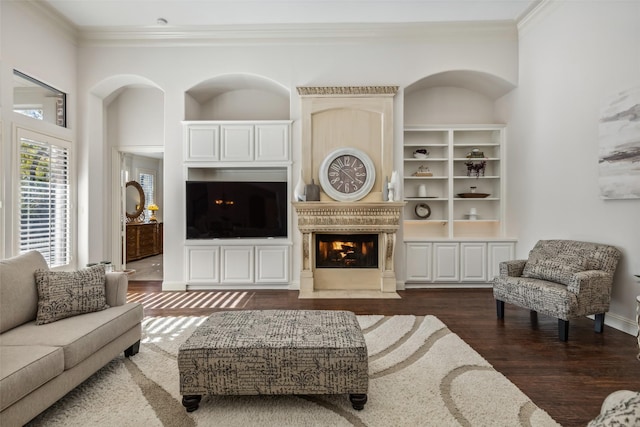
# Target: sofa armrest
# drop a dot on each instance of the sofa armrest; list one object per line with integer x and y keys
{"x": 512, "y": 268}
{"x": 116, "y": 288}
{"x": 591, "y": 283}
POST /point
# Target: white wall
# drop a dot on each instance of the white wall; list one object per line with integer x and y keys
{"x": 573, "y": 55}
{"x": 45, "y": 51}
{"x": 400, "y": 61}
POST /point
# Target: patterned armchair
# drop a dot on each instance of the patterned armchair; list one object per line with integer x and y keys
{"x": 565, "y": 279}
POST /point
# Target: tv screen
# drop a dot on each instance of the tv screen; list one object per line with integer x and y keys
{"x": 223, "y": 209}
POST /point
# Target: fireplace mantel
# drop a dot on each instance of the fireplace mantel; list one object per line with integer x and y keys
{"x": 382, "y": 218}
{"x": 343, "y": 216}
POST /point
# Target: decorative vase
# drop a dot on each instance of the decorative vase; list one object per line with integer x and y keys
{"x": 312, "y": 192}
{"x": 299, "y": 190}
{"x": 385, "y": 190}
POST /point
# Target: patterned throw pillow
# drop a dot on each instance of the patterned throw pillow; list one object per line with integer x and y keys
{"x": 559, "y": 269}
{"x": 64, "y": 294}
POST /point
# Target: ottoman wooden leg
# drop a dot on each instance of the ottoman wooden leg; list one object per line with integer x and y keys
{"x": 358, "y": 401}
{"x": 191, "y": 401}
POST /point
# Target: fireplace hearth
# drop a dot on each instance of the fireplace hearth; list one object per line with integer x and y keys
{"x": 346, "y": 251}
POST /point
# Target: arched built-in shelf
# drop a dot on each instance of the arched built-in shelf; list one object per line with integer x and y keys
{"x": 449, "y": 115}
{"x": 237, "y": 97}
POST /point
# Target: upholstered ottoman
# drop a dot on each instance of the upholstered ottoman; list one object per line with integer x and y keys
{"x": 275, "y": 352}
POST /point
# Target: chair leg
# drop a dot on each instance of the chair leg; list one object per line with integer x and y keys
{"x": 599, "y": 326}
{"x": 563, "y": 329}
{"x": 500, "y": 309}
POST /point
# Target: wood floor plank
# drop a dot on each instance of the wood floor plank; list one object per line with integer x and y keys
{"x": 569, "y": 380}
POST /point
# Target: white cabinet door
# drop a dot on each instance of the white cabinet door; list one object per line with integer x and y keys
{"x": 473, "y": 262}
{"x": 446, "y": 262}
{"x": 418, "y": 261}
{"x": 272, "y": 142}
{"x": 203, "y": 143}
{"x": 236, "y": 143}
{"x": 237, "y": 264}
{"x": 272, "y": 264}
{"x": 498, "y": 252}
{"x": 203, "y": 265}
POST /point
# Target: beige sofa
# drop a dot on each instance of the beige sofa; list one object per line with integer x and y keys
{"x": 41, "y": 363}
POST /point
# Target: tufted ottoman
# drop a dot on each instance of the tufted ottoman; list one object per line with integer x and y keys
{"x": 275, "y": 352}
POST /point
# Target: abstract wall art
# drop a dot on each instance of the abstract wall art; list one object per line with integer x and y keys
{"x": 619, "y": 151}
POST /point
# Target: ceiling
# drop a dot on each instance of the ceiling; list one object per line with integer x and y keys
{"x": 184, "y": 13}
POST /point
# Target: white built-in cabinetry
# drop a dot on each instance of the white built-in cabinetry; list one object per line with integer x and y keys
{"x": 238, "y": 150}
{"x": 242, "y": 141}
{"x": 454, "y": 244}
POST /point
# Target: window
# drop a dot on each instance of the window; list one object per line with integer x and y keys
{"x": 147, "y": 181}
{"x": 45, "y": 205}
{"x": 38, "y": 100}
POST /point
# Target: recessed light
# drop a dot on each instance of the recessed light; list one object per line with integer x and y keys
{"x": 162, "y": 21}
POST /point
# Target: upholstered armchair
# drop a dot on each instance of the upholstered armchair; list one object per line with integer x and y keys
{"x": 565, "y": 279}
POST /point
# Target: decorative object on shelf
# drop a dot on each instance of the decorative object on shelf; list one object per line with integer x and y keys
{"x": 423, "y": 171}
{"x": 473, "y": 189}
{"x": 421, "y": 153}
{"x": 347, "y": 174}
{"x": 299, "y": 189}
{"x": 312, "y": 192}
{"x": 393, "y": 184}
{"x": 476, "y": 168}
{"x": 153, "y": 208}
{"x": 422, "y": 190}
{"x": 473, "y": 214}
{"x": 473, "y": 195}
{"x": 423, "y": 210}
{"x": 385, "y": 189}
{"x": 475, "y": 154}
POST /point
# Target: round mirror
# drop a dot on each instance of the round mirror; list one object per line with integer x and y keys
{"x": 134, "y": 200}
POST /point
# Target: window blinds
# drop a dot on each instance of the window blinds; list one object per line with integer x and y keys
{"x": 45, "y": 200}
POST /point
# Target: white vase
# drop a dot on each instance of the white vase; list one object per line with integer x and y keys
{"x": 299, "y": 190}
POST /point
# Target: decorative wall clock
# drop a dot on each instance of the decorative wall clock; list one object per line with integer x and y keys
{"x": 347, "y": 174}
{"x": 423, "y": 210}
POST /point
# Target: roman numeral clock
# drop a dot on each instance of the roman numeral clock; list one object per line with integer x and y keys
{"x": 347, "y": 174}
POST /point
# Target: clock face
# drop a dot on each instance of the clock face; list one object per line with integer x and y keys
{"x": 423, "y": 210}
{"x": 347, "y": 174}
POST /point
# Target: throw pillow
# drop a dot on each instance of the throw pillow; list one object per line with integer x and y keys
{"x": 559, "y": 269}
{"x": 64, "y": 294}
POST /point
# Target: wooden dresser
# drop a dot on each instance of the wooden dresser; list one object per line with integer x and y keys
{"x": 143, "y": 240}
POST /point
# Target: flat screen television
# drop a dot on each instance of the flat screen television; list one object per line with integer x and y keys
{"x": 223, "y": 209}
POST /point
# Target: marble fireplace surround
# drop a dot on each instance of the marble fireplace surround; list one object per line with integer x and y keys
{"x": 381, "y": 218}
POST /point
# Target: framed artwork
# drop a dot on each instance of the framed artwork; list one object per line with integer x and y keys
{"x": 619, "y": 151}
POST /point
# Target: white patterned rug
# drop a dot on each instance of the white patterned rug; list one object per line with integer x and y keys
{"x": 421, "y": 374}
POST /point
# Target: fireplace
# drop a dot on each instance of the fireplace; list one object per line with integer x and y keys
{"x": 367, "y": 231}
{"x": 346, "y": 251}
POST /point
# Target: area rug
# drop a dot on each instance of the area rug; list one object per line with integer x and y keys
{"x": 421, "y": 374}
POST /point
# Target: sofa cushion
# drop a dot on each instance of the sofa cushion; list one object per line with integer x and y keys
{"x": 25, "y": 368}
{"x": 559, "y": 270}
{"x": 63, "y": 294}
{"x": 79, "y": 336}
{"x": 18, "y": 294}
{"x": 556, "y": 261}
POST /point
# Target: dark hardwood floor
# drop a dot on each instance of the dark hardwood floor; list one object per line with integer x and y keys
{"x": 569, "y": 380}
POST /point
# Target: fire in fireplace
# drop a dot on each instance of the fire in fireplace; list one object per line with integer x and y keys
{"x": 346, "y": 250}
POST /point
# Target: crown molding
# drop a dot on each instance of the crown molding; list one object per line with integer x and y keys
{"x": 296, "y": 33}
{"x": 317, "y": 91}
{"x": 538, "y": 11}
